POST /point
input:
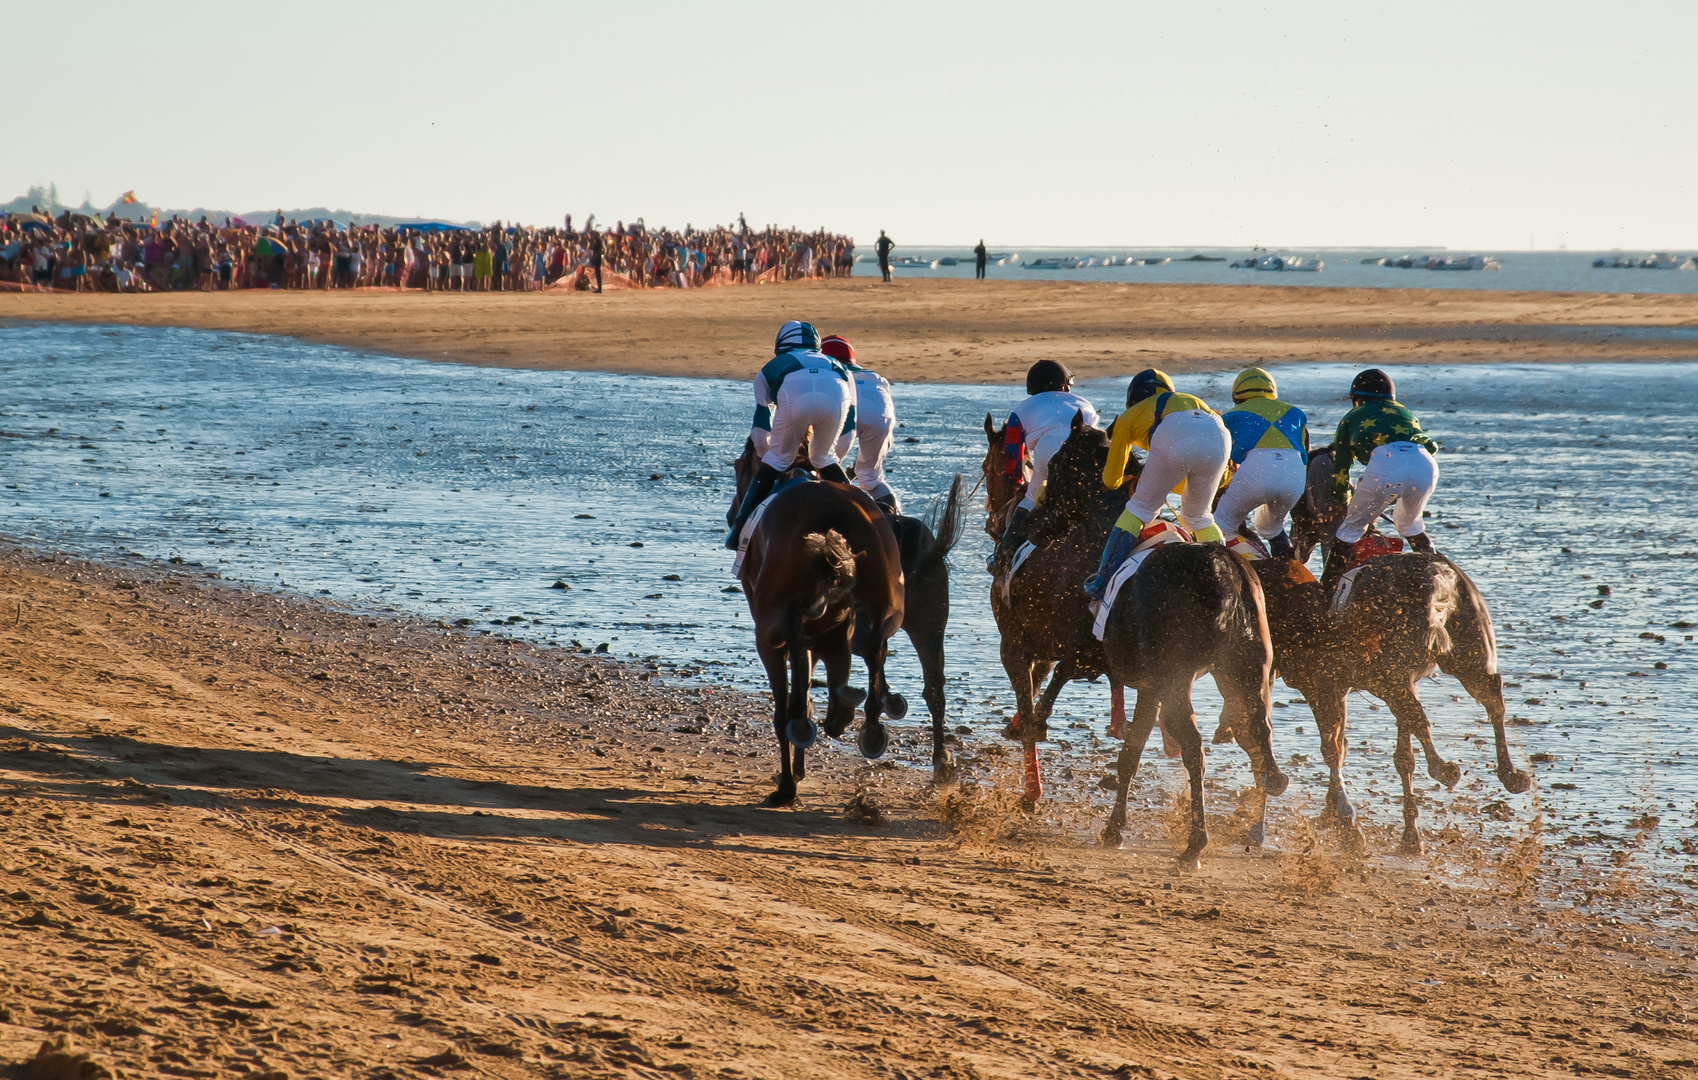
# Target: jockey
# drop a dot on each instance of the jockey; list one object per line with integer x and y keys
{"x": 1036, "y": 430}
{"x": 1270, "y": 446}
{"x": 809, "y": 390}
{"x": 1387, "y": 438}
{"x": 875, "y": 424}
{"x": 1187, "y": 447}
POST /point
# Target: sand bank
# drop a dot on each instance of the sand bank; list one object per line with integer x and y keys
{"x": 929, "y": 330}
{"x": 251, "y": 834}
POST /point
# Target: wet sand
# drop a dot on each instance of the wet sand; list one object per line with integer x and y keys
{"x": 931, "y": 330}
{"x": 246, "y": 833}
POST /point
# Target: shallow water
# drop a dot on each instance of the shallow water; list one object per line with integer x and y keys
{"x": 465, "y": 493}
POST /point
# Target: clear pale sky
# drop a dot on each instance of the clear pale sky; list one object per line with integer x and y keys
{"x": 1475, "y": 125}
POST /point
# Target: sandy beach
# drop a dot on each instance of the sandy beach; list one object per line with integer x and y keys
{"x": 244, "y": 833}
{"x": 931, "y": 330}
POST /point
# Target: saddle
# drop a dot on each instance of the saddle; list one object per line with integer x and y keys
{"x": 1370, "y": 547}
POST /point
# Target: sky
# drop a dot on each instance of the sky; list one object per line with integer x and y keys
{"x": 1480, "y": 125}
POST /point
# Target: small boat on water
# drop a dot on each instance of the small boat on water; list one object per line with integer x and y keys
{"x": 1278, "y": 262}
{"x": 1462, "y": 262}
{"x": 1204, "y": 258}
{"x": 1152, "y": 262}
{"x": 1661, "y": 260}
{"x": 1067, "y": 263}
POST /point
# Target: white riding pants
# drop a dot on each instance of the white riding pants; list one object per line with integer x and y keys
{"x": 874, "y": 435}
{"x": 817, "y": 400}
{"x": 1041, "y": 453}
{"x": 1268, "y": 484}
{"x": 1399, "y": 472}
{"x": 1192, "y": 447}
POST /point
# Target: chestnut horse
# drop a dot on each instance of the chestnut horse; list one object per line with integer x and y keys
{"x": 1042, "y": 612}
{"x": 1409, "y": 615}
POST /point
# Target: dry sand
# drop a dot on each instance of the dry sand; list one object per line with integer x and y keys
{"x": 930, "y": 330}
{"x": 248, "y": 834}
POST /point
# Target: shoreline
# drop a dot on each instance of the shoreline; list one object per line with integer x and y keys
{"x": 345, "y": 843}
{"x": 932, "y": 330}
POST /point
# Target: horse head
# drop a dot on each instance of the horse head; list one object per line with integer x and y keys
{"x": 1318, "y": 514}
{"x": 1001, "y": 493}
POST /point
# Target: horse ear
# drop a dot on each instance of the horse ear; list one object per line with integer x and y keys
{"x": 1078, "y": 419}
{"x": 990, "y": 428}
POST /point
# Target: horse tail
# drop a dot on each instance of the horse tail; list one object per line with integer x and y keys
{"x": 1442, "y": 597}
{"x": 945, "y": 525}
{"x": 834, "y": 569}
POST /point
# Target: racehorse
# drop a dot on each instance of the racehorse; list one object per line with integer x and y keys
{"x": 1408, "y": 615}
{"x": 846, "y": 603}
{"x": 1042, "y": 612}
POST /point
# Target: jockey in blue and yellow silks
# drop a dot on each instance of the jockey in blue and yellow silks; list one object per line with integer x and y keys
{"x": 1270, "y": 446}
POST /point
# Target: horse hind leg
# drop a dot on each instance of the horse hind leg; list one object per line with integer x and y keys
{"x": 1328, "y": 706}
{"x": 1487, "y": 689}
{"x": 776, "y": 663}
{"x": 1179, "y": 720}
{"x": 1404, "y": 759}
{"x": 1144, "y": 714}
{"x": 930, "y": 652}
{"x": 1406, "y": 706}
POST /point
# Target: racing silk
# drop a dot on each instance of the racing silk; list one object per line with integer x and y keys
{"x": 1039, "y": 419}
{"x": 1264, "y": 423}
{"x": 772, "y": 376}
{"x": 1368, "y": 427}
{"x": 1135, "y": 426}
{"x": 872, "y": 394}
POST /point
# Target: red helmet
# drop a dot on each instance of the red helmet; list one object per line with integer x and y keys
{"x": 838, "y": 349}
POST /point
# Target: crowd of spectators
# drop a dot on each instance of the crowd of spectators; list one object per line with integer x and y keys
{"x": 80, "y": 252}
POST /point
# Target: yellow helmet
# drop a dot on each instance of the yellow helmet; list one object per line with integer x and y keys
{"x": 1253, "y": 382}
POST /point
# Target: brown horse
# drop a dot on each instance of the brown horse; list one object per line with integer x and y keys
{"x": 1409, "y": 615}
{"x": 924, "y": 545}
{"x": 821, "y": 556}
{"x": 1042, "y": 612}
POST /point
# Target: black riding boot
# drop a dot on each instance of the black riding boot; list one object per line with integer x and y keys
{"x": 1013, "y": 535}
{"x": 759, "y": 488}
{"x": 1281, "y": 547}
{"x": 834, "y": 472}
{"x": 1334, "y": 568}
{"x": 1420, "y": 542}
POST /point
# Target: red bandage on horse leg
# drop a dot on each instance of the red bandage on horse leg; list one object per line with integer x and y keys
{"x": 1117, "y": 711}
{"x": 1034, "y": 782}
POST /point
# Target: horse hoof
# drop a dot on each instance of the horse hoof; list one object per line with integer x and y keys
{"x": 873, "y": 741}
{"x": 1188, "y": 863}
{"x": 1275, "y": 783}
{"x": 1257, "y": 835}
{"x": 943, "y": 769}
{"x": 1515, "y": 782}
{"x": 1411, "y": 844}
{"x": 1355, "y": 840}
{"x": 779, "y": 798}
{"x": 1448, "y": 773}
{"x": 895, "y": 706}
{"x": 802, "y": 733}
{"x": 1110, "y": 838}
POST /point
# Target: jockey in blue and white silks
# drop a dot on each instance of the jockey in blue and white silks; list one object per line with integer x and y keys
{"x": 799, "y": 389}
{"x": 1270, "y": 446}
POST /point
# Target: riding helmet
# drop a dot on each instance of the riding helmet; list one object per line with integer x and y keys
{"x": 1253, "y": 382}
{"x": 1147, "y": 383}
{"x": 1046, "y": 375}
{"x": 796, "y": 335}
{"x": 1372, "y": 383}
{"x": 838, "y": 348}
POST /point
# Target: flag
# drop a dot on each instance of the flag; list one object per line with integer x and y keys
{"x": 128, "y": 198}
{"x": 154, "y": 224}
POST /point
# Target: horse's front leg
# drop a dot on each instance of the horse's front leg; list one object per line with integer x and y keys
{"x": 1019, "y": 666}
{"x": 833, "y": 650}
{"x": 1144, "y": 714}
{"x": 1179, "y": 720}
{"x": 875, "y": 737}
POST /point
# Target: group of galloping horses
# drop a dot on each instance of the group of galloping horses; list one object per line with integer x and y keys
{"x": 829, "y": 575}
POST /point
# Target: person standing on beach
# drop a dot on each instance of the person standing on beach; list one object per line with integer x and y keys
{"x": 883, "y": 248}
{"x": 979, "y": 261}
{"x": 595, "y": 258}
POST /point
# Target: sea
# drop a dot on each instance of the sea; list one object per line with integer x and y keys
{"x": 465, "y": 494}
{"x": 1541, "y": 271}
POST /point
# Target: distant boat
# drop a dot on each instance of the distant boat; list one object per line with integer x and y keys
{"x": 1278, "y": 262}
{"x": 1204, "y": 258}
{"x": 1374, "y": 262}
{"x": 1152, "y": 262}
{"x": 1661, "y": 260}
{"x": 1462, "y": 262}
{"x": 1069, "y": 262}
{"x": 946, "y": 262}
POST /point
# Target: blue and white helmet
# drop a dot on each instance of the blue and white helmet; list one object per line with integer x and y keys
{"x": 795, "y": 335}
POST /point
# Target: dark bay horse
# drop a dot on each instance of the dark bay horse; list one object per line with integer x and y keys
{"x": 924, "y": 555}
{"x": 1409, "y": 615}
{"x": 1042, "y": 612}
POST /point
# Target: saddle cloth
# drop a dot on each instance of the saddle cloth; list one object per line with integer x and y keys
{"x": 755, "y": 518}
{"x": 1345, "y": 583}
{"x": 1124, "y": 574}
{"x": 1023, "y": 553}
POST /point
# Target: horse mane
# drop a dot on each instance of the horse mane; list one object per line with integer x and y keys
{"x": 1074, "y": 490}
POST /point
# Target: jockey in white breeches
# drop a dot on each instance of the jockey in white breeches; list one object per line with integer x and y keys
{"x": 1034, "y": 432}
{"x": 874, "y": 428}
{"x": 1270, "y": 444}
{"x": 807, "y": 390}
